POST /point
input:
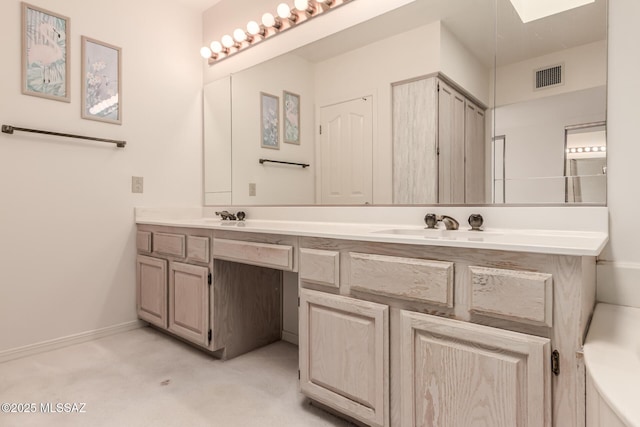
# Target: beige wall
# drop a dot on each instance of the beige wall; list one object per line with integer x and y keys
{"x": 66, "y": 218}
{"x": 67, "y": 244}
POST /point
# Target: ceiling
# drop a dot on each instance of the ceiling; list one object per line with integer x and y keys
{"x": 200, "y": 5}
{"x": 473, "y": 23}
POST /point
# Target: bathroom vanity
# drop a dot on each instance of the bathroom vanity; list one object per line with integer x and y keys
{"x": 399, "y": 326}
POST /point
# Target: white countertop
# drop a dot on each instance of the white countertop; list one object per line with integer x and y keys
{"x": 579, "y": 243}
{"x": 612, "y": 357}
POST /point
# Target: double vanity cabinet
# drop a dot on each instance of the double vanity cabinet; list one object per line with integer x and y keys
{"x": 391, "y": 333}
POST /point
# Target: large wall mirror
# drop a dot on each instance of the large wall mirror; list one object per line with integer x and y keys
{"x": 438, "y": 101}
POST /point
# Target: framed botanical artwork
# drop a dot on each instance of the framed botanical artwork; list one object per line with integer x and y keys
{"x": 291, "y": 105}
{"x": 45, "y": 53}
{"x": 101, "y": 81}
{"x": 269, "y": 121}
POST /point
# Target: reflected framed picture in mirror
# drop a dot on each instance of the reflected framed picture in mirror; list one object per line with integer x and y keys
{"x": 291, "y": 108}
{"x": 269, "y": 121}
{"x": 101, "y": 81}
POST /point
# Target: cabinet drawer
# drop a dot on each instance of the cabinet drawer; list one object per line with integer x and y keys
{"x": 143, "y": 241}
{"x": 262, "y": 254}
{"x": 320, "y": 266}
{"x": 198, "y": 248}
{"x": 406, "y": 278}
{"x": 524, "y": 296}
{"x": 169, "y": 244}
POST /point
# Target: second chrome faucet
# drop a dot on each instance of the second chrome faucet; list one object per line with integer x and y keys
{"x": 432, "y": 221}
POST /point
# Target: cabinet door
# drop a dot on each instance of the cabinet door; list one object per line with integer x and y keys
{"x": 415, "y": 139}
{"x": 474, "y": 170}
{"x": 457, "y": 374}
{"x": 189, "y": 302}
{"x": 344, "y": 355}
{"x": 151, "y": 290}
{"x": 451, "y": 133}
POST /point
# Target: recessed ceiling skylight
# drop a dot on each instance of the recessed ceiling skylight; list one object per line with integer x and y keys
{"x": 530, "y": 10}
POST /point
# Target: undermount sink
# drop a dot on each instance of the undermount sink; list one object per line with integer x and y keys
{"x": 429, "y": 233}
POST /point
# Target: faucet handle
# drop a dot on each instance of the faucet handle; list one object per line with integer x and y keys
{"x": 224, "y": 214}
{"x": 431, "y": 220}
{"x": 475, "y": 221}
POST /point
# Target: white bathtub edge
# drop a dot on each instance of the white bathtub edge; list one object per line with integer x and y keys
{"x": 612, "y": 359}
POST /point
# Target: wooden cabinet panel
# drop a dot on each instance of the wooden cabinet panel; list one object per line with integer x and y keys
{"x": 457, "y": 374}
{"x": 438, "y": 143}
{"x": 474, "y": 142}
{"x": 151, "y": 290}
{"x": 263, "y": 254}
{"x": 143, "y": 241}
{"x": 415, "y": 141}
{"x": 189, "y": 302}
{"x": 517, "y": 295}
{"x": 451, "y": 133}
{"x": 198, "y": 249}
{"x": 169, "y": 244}
{"x": 405, "y": 278}
{"x": 344, "y": 355}
{"x": 320, "y": 266}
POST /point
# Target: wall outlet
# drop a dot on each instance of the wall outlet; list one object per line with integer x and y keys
{"x": 252, "y": 189}
{"x": 137, "y": 184}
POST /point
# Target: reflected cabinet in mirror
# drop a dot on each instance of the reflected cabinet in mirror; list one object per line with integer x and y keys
{"x": 454, "y": 102}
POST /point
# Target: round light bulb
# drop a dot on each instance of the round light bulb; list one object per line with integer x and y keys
{"x": 603, "y": 148}
{"x": 216, "y": 47}
{"x": 301, "y": 5}
{"x": 253, "y": 28}
{"x": 284, "y": 11}
{"x": 573, "y": 150}
{"x": 268, "y": 20}
{"x": 205, "y": 52}
{"x": 580, "y": 150}
{"x": 587, "y": 149}
{"x": 227, "y": 41}
{"x": 239, "y": 35}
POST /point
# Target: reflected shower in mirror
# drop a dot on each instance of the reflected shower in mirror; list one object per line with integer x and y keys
{"x": 586, "y": 163}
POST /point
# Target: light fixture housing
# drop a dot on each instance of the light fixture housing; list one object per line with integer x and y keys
{"x": 270, "y": 25}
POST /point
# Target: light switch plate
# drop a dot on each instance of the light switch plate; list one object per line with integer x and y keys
{"x": 137, "y": 184}
{"x": 252, "y": 189}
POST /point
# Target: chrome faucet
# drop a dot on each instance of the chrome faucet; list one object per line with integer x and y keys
{"x": 449, "y": 223}
{"x": 226, "y": 215}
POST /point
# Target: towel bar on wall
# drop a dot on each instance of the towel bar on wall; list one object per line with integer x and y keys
{"x": 10, "y": 129}
{"x": 304, "y": 165}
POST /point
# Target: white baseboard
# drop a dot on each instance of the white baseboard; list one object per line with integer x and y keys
{"x": 290, "y": 337}
{"x": 54, "y": 344}
{"x": 618, "y": 283}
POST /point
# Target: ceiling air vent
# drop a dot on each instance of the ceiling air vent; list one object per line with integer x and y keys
{"x": 549, "y": 77}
